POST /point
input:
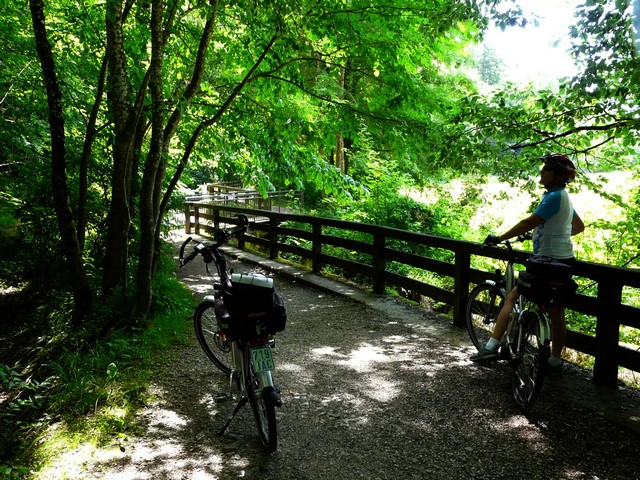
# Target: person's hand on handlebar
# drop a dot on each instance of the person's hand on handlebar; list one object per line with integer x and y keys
{"x": 491, "y": 239}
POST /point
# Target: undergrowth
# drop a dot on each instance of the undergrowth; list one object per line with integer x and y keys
{"x": 92, "y": 388}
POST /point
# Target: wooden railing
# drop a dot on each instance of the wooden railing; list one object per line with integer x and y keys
{"x": 274, "y": 234}
{"x": 219, "y": 194}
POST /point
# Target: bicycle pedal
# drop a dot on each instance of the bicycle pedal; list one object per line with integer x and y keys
{"x": 504, "y": 353}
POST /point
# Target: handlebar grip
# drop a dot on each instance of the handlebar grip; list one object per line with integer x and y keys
{"x": 184, "y": 244}
{"x": 188, "y": 258}
{"x": 244, "y": 220}
{"x": 238, "y": 231}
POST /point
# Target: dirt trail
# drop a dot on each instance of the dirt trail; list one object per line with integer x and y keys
{"x": 372, "y": 389}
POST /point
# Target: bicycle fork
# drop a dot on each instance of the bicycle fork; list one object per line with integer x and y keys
{"x": 242, "y": 363}
{"x": 238, "y": 373}
{"x": 521, "y": 325}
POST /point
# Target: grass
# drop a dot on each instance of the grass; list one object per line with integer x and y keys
{"x": 93, "y": 394}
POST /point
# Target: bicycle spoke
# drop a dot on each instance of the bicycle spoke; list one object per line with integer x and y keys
{"x": 214, "y": 344}
{"x": 263, "y": 410}
{"x": 528, "y": 367}
{"x": 483, "y": 306}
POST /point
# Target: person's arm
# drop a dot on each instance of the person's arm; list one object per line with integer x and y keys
{"x": 577, "y": 225}
{"x": 522, "y": 227}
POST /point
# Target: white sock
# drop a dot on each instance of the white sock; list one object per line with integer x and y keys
{"x": 492, "y": 344}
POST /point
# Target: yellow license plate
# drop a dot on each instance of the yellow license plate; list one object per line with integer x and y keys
{"x": 262, "y": 358}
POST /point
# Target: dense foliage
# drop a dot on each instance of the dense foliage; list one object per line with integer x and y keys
{"x": 303, "y": 95}
{"x": 108, "y": 108}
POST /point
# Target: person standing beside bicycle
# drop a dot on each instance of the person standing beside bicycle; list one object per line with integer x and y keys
{"x": 553, "y": 222}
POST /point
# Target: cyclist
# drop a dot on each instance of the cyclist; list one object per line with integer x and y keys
{"x": 553, "y": 222}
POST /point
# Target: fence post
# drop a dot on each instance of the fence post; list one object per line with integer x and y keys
{"x": 316, "y": 247}
{"x": 461, "y": 288}
{"x": 187, "y": 219}
{"x": 273, "y": 237}
{"x": 216, "y": 219}
{"x": 605, "y": 368}
{"x": 379, "y": 263}
{"x": 196, "y": 218}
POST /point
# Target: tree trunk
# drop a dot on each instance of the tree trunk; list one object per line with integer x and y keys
{"x": 60, "y": 188}
{"x": 125, "y": 123}
{"x": 151, "y": 181}
{"x": 340, "y": 152}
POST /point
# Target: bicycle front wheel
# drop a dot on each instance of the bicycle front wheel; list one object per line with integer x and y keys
{"x": 484, "y": 304}
{"x": 263, "y": 408}
{"x": 211, "y": 339}
{"x": 529, "y": 362}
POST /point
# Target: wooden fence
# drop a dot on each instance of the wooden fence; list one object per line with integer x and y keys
{"x": 307, "y": 239}
{"x": 230, "y": 194}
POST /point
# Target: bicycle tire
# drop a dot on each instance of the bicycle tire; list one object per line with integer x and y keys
{"x": 484, "y": 303}
{"x": 529, "y": 362}
{"x": 211, "y": 339}
{"x": 264, "y": 411}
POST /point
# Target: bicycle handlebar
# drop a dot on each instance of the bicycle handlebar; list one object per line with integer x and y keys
{"x": 221, "y": 237}
{"x": 507, "y": 243}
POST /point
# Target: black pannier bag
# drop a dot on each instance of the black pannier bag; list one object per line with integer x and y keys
{"x": 549, "y": 268}
{"x": 547, "y": 282}
{"x": 252, "y": 306}
{"x": 279, "y": 319}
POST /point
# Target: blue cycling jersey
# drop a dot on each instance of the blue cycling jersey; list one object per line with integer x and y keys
{"x": 553, "y": 237}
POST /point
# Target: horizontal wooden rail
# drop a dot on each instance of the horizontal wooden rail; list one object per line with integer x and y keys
{"x": 310, "y": 239}
{"x": 218, "y": 194}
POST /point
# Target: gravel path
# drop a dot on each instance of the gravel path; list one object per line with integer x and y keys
{"x": 373, "y": 390}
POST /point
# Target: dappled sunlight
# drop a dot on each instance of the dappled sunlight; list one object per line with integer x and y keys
{"x": 315, "y": 306}
{"x": 459, "y": 356}
{"x": 570, "y": 474}
{"x": 290, "y": 367}
{"x": 521, "y": 428}
{"x": 395, "y": 339}
{"x": 201, "y": 286}
{"x": 241, "y": 463}
{"x": 165, "y": 419}
{"x": 380, "y": 389}
{"x": 139, "y": 460}
{"x": 161, "y": 448}
{"x": 364, "y": 358}
{"x": 322, "y": 304}
{"x": 326, "y": 351}
{"x": 210, "y": 403}
{"x": 340, "y": 400}
{"x": 202, "y": 289}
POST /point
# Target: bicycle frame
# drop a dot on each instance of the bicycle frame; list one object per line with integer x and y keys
{"x": 525, "y": 343}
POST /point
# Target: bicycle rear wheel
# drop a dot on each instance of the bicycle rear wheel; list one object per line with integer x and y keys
{"x": 211, "y": 339}
{"x": 483, "y": 306}
{"x": 528, "y": 365}
{"x": 264, "y": 410}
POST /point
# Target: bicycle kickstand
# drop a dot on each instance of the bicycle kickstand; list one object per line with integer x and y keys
{"x": 243, "y": 401}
